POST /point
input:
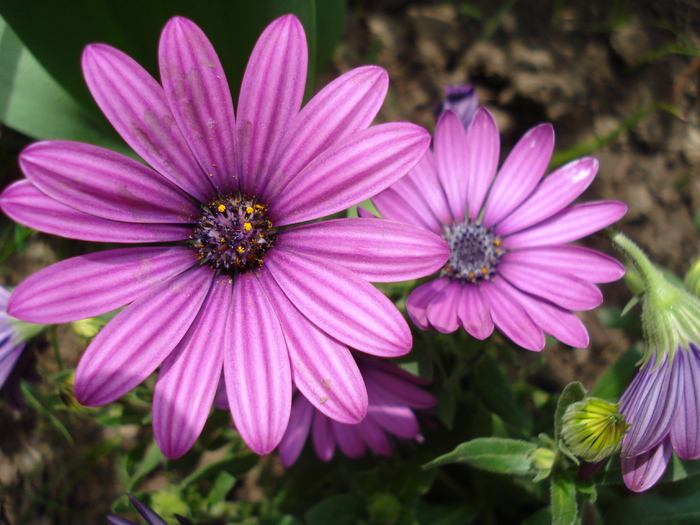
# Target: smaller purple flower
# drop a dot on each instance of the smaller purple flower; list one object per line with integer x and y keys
{"x": 393, "y": 394}
{"x": 16, "y": 364}
{"x": 511, "y": 265}
{"x": 149, "y": 515}
{"x": 461, "y": 99}
{"x": 662, "y": 403}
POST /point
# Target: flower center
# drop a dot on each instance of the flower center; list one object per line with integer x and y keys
{"x": 233, "y": 234}
{"x": 474, "y": 252}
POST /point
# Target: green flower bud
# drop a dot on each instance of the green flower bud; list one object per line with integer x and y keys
{"x": 593, "y": 429}
{"x": 692, "y": 278}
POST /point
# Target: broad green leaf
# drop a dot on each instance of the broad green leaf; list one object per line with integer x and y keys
{"x": 563, "y": 495}
{"x": 152, "y": 458}
{"x": 656, "y": 508}
{"x": 504, "y": 456}
{"x": 494, "y": 391}
{"x": 617, "y": 377}
{"x": 33, "y": 103}
{"x": 56, "y": 31}
{"x": 572, "y": 393}
{"x": 341, "y": 509}
{"x": 222, "y": 485}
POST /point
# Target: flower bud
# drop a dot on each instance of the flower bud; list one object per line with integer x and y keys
{"x": 593, "y": 429}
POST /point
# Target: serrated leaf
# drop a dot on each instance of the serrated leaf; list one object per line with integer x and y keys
{"x": 500, "y": 455}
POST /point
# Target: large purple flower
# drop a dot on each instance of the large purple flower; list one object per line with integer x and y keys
{"x": 662, "y": 403}
{"x": 240, "y": 289}
{"x": 509, "y": 264}
{"x": 393, "y": 393}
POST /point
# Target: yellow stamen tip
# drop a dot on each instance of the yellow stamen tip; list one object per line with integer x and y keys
{"x": 247, "y": 226}
{"x": 249, "y": 210}
{"x": 221, "y": 208}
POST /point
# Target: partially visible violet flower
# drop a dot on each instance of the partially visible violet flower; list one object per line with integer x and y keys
{"x": 17, "y": 363}
{"x": 462, "y": 100}
{"x": 662, "y": 403}
{"x": 235, "y": 275}
{"x": 510, "y": 264}
{"x": 393, "y": 394}
{"x": 148, "y": 514}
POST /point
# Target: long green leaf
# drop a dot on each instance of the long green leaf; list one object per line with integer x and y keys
{"x": 501, "y": 455}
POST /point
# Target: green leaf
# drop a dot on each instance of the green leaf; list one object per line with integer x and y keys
{"x": 222, "y": 485}
{"x": 500, "y": 455}
{"x": 232, "y": 464}
{"x": 655, "y": 508}
{"x": 563, "y": 494}
{"x": 494, "y": 391}
{"x": 33, "y": 103}
{"x": 572, "y": 393}
{"x": 341, "y": 509}
{"x": 152, "y": 458}
{"x": 56, "y": 31}
{"x": 617, "y": 377}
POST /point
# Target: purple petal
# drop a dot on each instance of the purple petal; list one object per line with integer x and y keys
{"x": 562, "y": 289}
{"x": 147, "y": 512}
{"x": 341, "y": 304}
{"x": 510, "y": 317}
{"x": 197, "y": 92}
{"x": 351, "y": 171}
{"x": 114, "y": 520}
{"x": 128, "y": 350}
{"x": 425, "y": 178}
{"x": 442, "y": 310}
{"x": 553, "y": 320}
{"x": 451, "y": 160}
{"x": 396, "y": 386}
{"x": 256, "y": 367}
{"x": 415, "y": 192}
{"x": 551, "y": 195}
{"x": 583, "y": 263}
{"x": 322, "y": 436}
{"x": 397, "y": 420}
{"x": 519, "y": 174}
{"x": 190, "y": 375}
{"x": 641, "y": 472}
{"x": 374, "y": 249}
{"x": 9, "y": 354}
{"x": 349, "y": 439}
{"x": 136, "y": 106}
{"x": 105, "y": 184}
{"x": 96, "y": 283}
{"x": 685, "y": 430}
{"x": 650, "y": 404}
{"x": 271, "y": 94}
{"x": 394, "y": 207}
{"x": 568, "y": 225}
{"x": 24, "y": 203}
{"x": 419, "y": 299}
{"x": 298, "y": 430}
{"x": 324, "y": 370}
{"x": 345, "y": 106}
{"x": 474, "y": 313}
{"x": 483, "y": 149}
{"x": 374, "y": 436}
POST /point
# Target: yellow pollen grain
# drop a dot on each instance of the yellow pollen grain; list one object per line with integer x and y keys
{"x": 221, "y": 208}
{"x": 240, "y": 249}
{"x": 471, "y": 275}
{"x": 484, "y": 271}
{"x": 249, "y": 210}
{"x": 497, "y": 242}
{"x": 247, "y": 226}
{"x": 222, "y": 240}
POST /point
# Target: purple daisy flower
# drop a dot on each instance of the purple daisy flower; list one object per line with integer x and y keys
{"x": 463, "y": 100}
{"x": 662, "y": 403}
{"x": 393, "y": 393}
{"x": 240, "y": 289}
{"x": 509, "y": 264}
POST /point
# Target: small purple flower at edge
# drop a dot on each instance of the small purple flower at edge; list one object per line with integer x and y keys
{"x": 148, "y": 514}
{"x": 662, "y": 403}
{"x": 509, "y": 265}
{"x": 238, "y": 288}
{"x": 462, "y": 100}
{"x": 16, "y": 364}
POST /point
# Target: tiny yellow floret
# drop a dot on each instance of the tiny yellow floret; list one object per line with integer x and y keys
{"x": 249, "y": 210}
{"x": 247, "y": 226}
{"x": 221, "y": 208}
{"x": 240, "y": 249}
